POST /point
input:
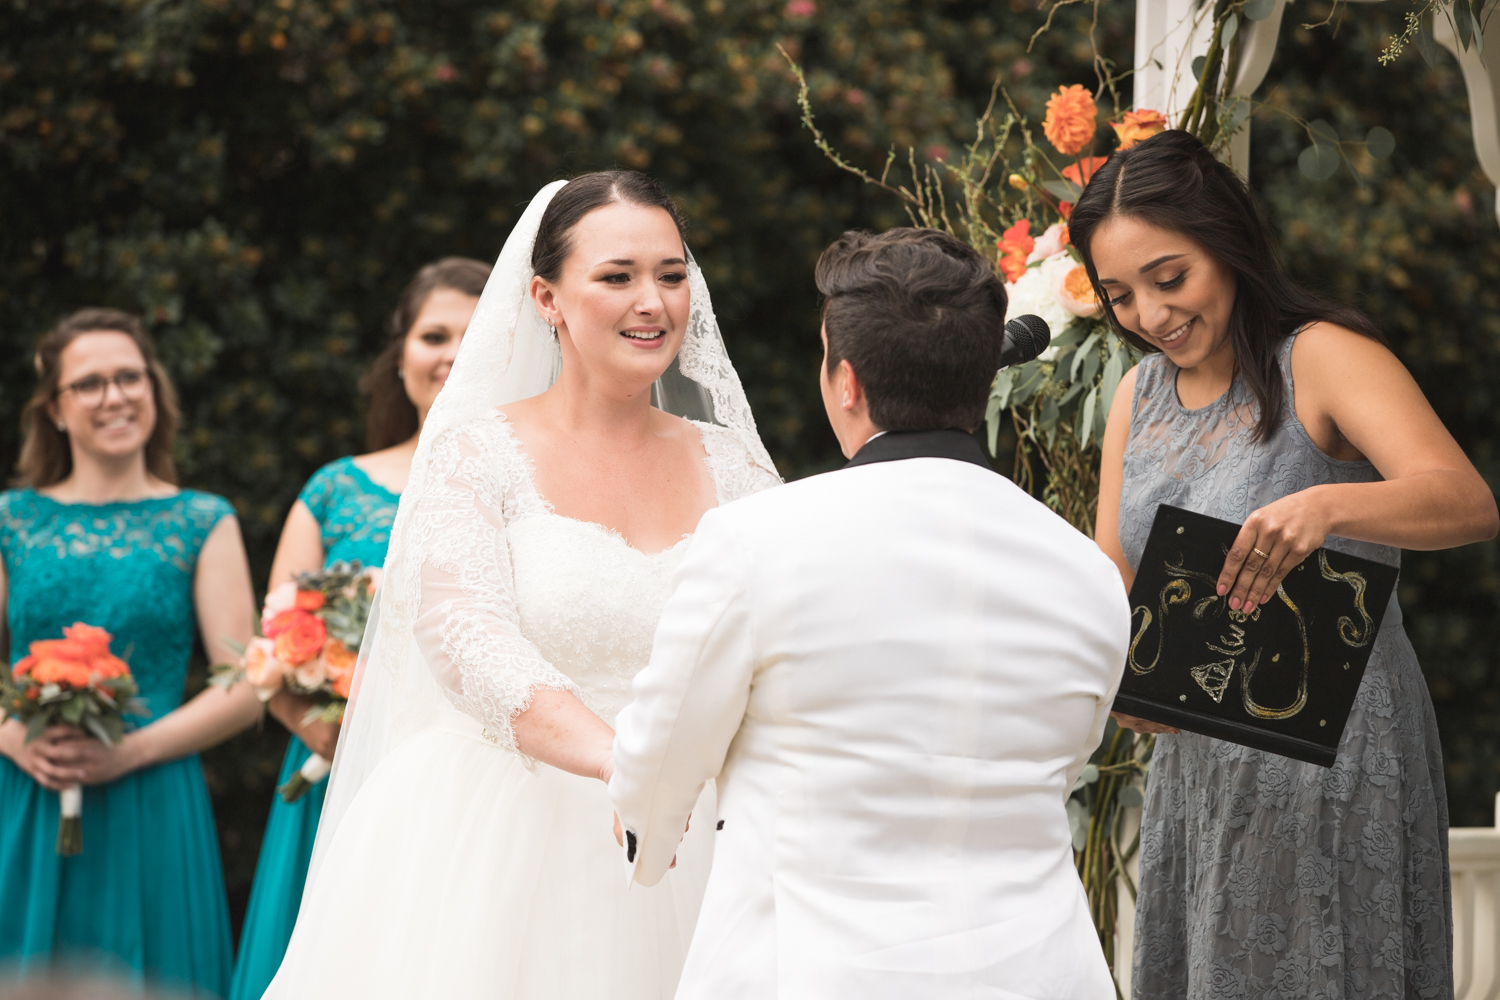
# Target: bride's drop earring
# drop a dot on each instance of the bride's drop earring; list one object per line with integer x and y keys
{"x": 553, "y": 327}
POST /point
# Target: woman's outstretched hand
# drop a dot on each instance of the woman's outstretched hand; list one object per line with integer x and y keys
{"x": 1272, "y": 542}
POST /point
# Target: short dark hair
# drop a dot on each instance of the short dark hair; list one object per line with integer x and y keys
{"x": 46, "y": 455}
{"x": 1172, "y": 181}
{"x": 391, "y": 416}
{"x": 579, "y": 197}
{"x": 920, "y": 317}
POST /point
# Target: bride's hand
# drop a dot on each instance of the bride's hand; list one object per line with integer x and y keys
{"x": 607, "y": 771}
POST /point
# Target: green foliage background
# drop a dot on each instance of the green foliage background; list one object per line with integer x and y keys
{"x": 260, "y": 179}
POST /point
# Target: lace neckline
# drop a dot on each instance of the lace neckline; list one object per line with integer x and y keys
{"x": 108, "y": 504}
{"x": 528, "y": 481}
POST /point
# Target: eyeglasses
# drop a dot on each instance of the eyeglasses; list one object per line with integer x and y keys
{"x": 132, "y": 383}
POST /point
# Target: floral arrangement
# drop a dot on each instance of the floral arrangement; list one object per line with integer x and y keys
{"x": 73, "y": 681}
{"x": 311, "y": 631}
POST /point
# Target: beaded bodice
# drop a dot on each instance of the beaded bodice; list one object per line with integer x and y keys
{"x": 354, "y": 512}
{"x": 125, "y": 567}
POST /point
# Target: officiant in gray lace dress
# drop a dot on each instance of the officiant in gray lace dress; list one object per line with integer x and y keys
{"x": 1263, "y": 876}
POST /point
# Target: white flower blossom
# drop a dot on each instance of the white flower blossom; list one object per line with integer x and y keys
{"x": 1035, "y": 292}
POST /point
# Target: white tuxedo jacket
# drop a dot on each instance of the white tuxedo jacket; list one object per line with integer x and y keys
{"x": 895, "y": 671}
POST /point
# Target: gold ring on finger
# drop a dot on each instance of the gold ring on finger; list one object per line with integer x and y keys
{"x": 1263, "y": 555}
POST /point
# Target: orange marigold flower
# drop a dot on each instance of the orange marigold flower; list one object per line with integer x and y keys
{"x": 109, "y": 667}
{"x": 1077, "y": 293}
{"x": 1072, "y": 119}
{"x": 302, "y": 640}
{"x": 310, "y": 600}
{"x": 1082, "y": 172}
{"x": 1138, "y": 125}
{"x": 23, "y": 666}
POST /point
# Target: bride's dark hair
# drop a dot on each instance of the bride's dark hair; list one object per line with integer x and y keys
{"x": 579, "y": 197}
{"x": 1173, "y": 182}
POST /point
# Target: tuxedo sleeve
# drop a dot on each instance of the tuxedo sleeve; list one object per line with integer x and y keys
{"x": 689, "y": 700}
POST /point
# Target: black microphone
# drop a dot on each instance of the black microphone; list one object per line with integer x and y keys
{"x": 1025, "y": 338}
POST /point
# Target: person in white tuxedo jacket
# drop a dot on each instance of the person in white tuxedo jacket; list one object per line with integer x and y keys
{"x": 895, "y": 672}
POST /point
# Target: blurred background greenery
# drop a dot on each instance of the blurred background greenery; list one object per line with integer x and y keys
{"x": 259, "y": 179}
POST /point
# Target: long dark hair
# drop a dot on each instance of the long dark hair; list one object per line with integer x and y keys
{"x": 391, "y": 417}
{"x": 1173, "y": 182}
{"x": 46, "y": 456}
{"x": 578, "y": 198}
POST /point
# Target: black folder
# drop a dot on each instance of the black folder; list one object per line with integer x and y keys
{"x": 1280, "y": 679}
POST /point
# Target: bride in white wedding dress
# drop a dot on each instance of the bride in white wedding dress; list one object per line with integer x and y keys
{"x": 466, "y": 847}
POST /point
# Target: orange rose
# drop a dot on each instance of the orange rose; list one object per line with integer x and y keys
{"x": 23, "y": 666}
{"x": 1015, "y": 244}
{"x": 279, "y": 623}
{"x": 92, "y": 640}
{"x": 340, "y": 662}
{"x": 1082, "y": 172}
{"x": 1071, "y": 119}
{"x": 1077, "y": 293}
{"x": 310, "y": 600}
{"x": 61, "y": 671}
{"x": 108, "y": 667}
{"x": 302, "y": 640}
{"x": 1139, "y": 125}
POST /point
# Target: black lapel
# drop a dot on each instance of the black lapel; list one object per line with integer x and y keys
{"x": 894, "y": 446}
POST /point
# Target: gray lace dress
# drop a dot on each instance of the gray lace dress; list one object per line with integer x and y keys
{"x": 1263, "y": 876}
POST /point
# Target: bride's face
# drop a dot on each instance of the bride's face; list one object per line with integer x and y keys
{"x": 620, "y": 304}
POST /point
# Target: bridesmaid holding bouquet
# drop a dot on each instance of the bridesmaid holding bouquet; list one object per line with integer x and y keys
{"x": 99, "y": 533}
{"x": 343, "y": 514}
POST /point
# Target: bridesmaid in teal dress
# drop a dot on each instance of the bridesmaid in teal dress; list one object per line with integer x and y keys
{"x": 100, "y": 534}
{"x": 344, "y": 513}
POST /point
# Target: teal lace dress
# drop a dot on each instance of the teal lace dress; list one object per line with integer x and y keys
{"x": 355, "y": 514}
{"x": 146, "y": 897}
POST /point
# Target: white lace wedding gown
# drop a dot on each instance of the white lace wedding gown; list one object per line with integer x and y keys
{"x": 462, "y": 870}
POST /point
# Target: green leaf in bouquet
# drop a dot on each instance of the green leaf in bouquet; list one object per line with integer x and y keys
{"x": 1064, "y": 365}
{"x": 1426, "y": 42}
{"x": 1380, "y": 142}
{"x": 1068, "y": 336}
{"x": 1463, "y": 24}
{"x": 72, "y": 710}
{"x": 1083, "y": 352}
{"x": 1048, "y": 417}
{"x": 36, "y": 725}
{"x": 97, "y": 730}
{"x": 1091, "y": 365}
{"x": 1031, "y": 378}
{"x": 1063, "y": 190}
{"x": 1258, "y": 10}
{"x": 1231, "y": 28}
{"x": 1086, "y": 417}
{"x": 1318, "y": 162}
{"x": 1000, "y": 391}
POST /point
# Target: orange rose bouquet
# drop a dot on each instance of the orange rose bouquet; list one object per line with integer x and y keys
{"x": 72, "y": 681}
{"x": 311, "y": 630}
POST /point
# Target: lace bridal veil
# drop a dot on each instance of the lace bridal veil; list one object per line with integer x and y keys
{"x": 508, "y": 353}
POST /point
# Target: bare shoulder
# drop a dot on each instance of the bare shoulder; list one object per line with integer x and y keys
{"x": 1326, "y": 349}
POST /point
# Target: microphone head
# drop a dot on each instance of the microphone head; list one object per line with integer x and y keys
{"x": 1026, "y": 337}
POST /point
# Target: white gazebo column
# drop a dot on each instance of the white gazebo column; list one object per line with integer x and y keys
{"x": 1480, "y": 64}
{"x": 1170, "y": 34}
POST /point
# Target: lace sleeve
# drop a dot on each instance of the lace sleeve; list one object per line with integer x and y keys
{"x": 736, "y": 470}
{"x": 467, "y": 627}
